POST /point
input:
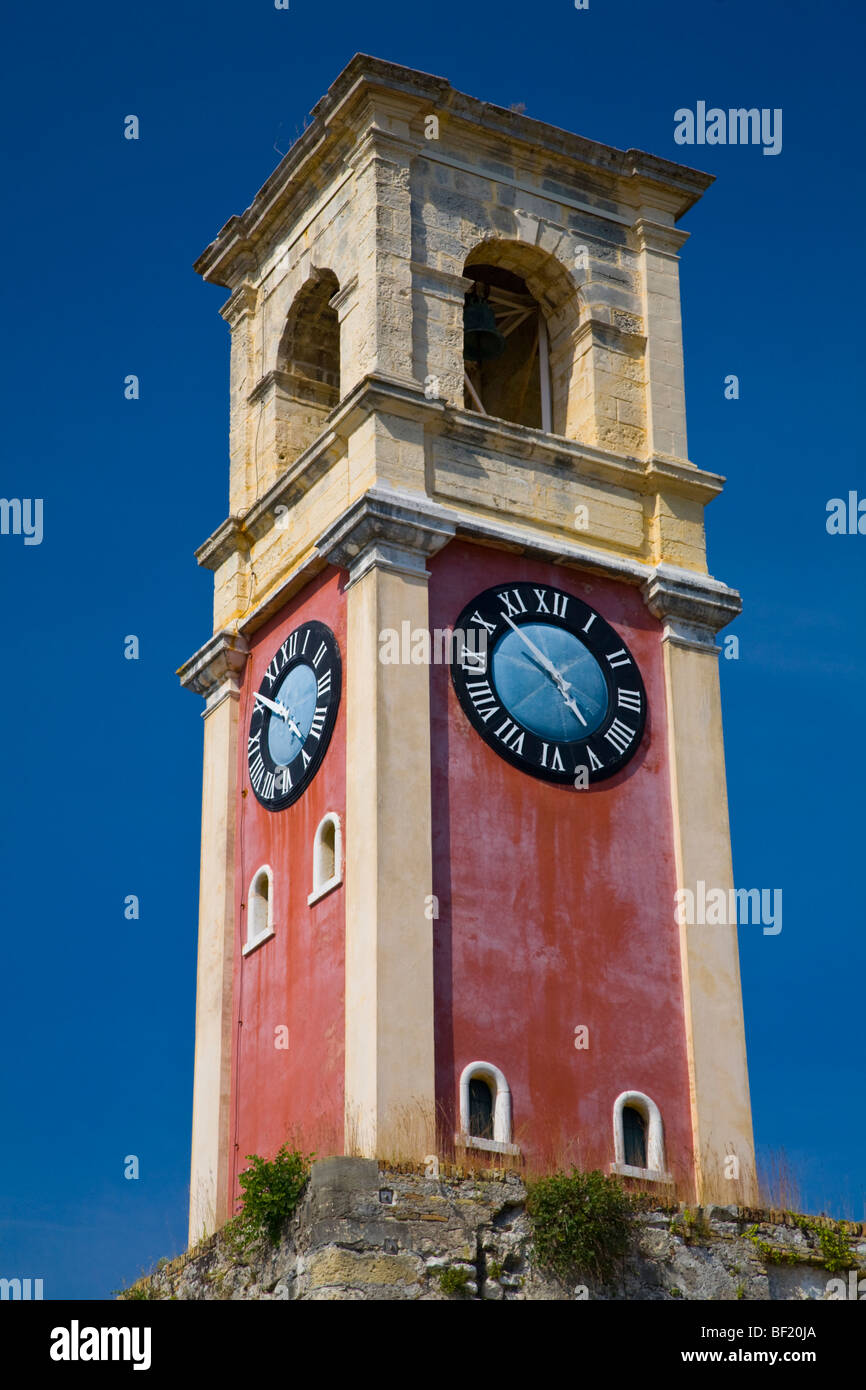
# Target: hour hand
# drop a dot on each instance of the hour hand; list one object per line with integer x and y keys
{"x": 562, "y": 685}
{"x": 569, "y": 700}
{"x": 536, "y": 651}
{"x": 293, "y": 726}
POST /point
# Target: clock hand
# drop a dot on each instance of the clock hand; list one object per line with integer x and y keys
{"x": 571, "y": 705}
{"x": 545, "y": 660}
{"x": 293, "y": 726}
{"x": 273, "y": 705}
{"x": 562, "y": 685}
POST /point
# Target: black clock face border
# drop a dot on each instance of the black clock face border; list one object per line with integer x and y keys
{"x": 311, "y": 645}
{"x": 610, "y": 745}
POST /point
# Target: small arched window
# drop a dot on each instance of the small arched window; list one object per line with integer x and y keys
{"x": 485, "y": 1109}
{"x": 638, "y": 1137}
{"x": 327, "y": 856}
{"x": 260, "y": 908}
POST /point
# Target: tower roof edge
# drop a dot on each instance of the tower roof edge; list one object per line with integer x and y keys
{"x": 678, "y": 186}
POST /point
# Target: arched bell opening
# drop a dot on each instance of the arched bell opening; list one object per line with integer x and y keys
{"x": 309, "y": 351}
{"x": 505, "y": 349}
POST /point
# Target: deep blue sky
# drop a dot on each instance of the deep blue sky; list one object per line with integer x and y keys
{"x": 101, "y": 757}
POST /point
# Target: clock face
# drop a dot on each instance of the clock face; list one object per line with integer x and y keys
{"x": 548, "y": 683}
{"x": 293, "y": 717}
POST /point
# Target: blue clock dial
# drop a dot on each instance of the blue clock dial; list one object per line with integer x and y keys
{"x": 549, "y": 684}
{"x": 297, "y": 695}
{"x": 534, "y": 698}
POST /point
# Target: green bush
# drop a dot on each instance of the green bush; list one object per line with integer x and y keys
{"x": 454, "y": 1281}
{"x": 581, "y": 1224}
{"x": 272, "y": 1190}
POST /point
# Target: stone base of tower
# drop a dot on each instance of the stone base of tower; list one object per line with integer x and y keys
{"x": 367, "y": 1231}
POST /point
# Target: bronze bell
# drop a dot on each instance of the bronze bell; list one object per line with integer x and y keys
{"x": 482, "y": 340}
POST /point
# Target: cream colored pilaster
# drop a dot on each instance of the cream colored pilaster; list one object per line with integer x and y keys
{"x": 215, "y": 672}
{"x": 383, "y": 540}
{"x": 692, "y": 609}
{"x": 437, "y": 330}
{"x": 658, "y": 245}
{"x": 240, "y": 313}
{"x": 384, "y": 230}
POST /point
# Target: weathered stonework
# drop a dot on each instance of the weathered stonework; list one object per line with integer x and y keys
{"x": 366, "y": 1232}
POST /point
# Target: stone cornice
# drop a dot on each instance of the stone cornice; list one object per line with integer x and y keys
{"x": 692, "y": 606}
{"x": 240, "y": 304}
{"x": 386, "y": 529}
{"x": 220, "y": 662}
{"x": 399, "y": 530}
{"x": 230, "y": 536}
{"x": 344, "y": 296}
{"x": 657, "y": 236}
{"x": 643, "y": 180}
{"x": 406, "y": 399}
{"x": 606, "y": 331}
{"x": 444, "y": 283}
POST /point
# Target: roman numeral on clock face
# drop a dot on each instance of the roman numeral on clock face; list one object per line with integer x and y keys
{"x": 483, "y": 698}
{"x": 473, "y": 661}
{"x": 287, "y": 652}
{"x": 559, "y": 601}
{"x": 324, "y": 684}
{"x": 318, "y": 721}
{"x": 620, "y": 658}
{"x": 556, "y": 764}
{"x": 257, "y": 772}
{"x": 628, "y": 699}
{"x": 594, "y": 763}
{"x": 620, "y": 735}
{"x": 511, "y": 608}
{"x": 511, "y": 736}
{"x": 319, "y": 654}
{"x": 482, "y": 622}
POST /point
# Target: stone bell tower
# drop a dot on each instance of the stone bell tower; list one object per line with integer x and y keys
{"x": 436, "y": 910}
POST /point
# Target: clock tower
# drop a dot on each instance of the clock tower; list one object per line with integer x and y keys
{"x": 462, "y": 731}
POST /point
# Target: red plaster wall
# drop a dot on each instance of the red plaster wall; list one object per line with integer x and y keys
{"x": 556, "y": 906}
{"x": 296, "y": 978}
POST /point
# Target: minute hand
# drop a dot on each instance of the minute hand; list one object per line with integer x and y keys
{"x": 562, "y": 685}
{"x": 273, "y": 705}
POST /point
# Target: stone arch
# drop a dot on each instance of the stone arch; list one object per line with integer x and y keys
{"x": 501, "y": 1108}
{"x": 655, "y": 1146}
{"x": 309, "y": 349}
{"x": 560, "y": 303}
{"x": 304, "y": 387}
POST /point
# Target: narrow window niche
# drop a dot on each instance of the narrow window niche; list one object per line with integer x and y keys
{"x": 327, "y": 857}
{"x": 260, "y": 908}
